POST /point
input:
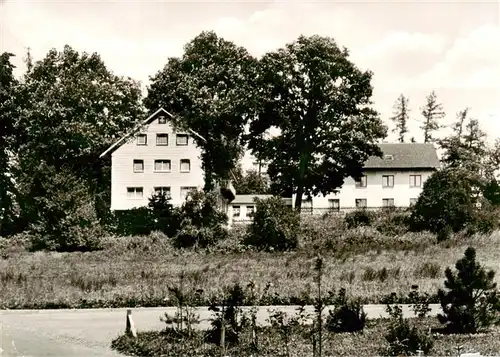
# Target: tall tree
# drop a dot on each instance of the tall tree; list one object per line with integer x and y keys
{"x": 400, "y": 117}
{"x": 8, "y": 114}
{"x": 209, "y": 90}
{"x": 74, "y": 107}
{"x": 466, "y": 146}
{"x": 321, "y": 104}
{"x": 432, "y": 112}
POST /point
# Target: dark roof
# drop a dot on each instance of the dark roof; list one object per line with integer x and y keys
{"x": 405, "y": 156}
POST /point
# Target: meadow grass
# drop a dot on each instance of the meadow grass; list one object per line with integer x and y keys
{"x": 137, "y": 271}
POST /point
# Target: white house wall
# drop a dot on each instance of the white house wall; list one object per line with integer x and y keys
{"x": 123, "y": 175}
{"x": 374, "y": 192}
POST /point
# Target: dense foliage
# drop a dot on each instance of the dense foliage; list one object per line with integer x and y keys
{"x": 405, "y": 339}
{"x": 202, "y": 223}
{"x": 321, "y": 104}
{"x": 274, "y": 225}
{"x": 210, "y": 90}
{"x": 454, "y": 199}
{"x": 446, "y": 200}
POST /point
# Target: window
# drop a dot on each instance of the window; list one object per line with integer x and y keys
{"x": 181, "y": 139}
{"x": 413, "y": 201}
{"x": 334, "y": 204}
{"x": 162, "y": 165}
{"x": 361, "y": 182}
{"x": 415, "y": 180}
{"x": 361, "y": 203}
{"x": 162, "y": 139}
{"x": 185, "y": 165}
{"x": 250, "y": 211}
{"x": 134, "y": 192}
{"x": 388, "y": 181}
{"x": 185, "y": 191}
{"x": 236, "y": 211}
{"x": 162, "y": 120}
{"x": 163, "y": 191}
{"x": 388, "y": 202}
{"x": 142, "y": 139}
{"x": 138, "y": 165}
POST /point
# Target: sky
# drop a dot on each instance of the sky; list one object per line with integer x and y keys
{"x": 412, "y": 47}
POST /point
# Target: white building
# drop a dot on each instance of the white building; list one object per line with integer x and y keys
{"x": 394, "y": 180}
{"x": 241, "y": 209}
{"x": 154, "y": 158}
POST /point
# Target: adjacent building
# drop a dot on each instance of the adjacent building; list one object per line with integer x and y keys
{"x": 241, "y": 209}
{"x": 396, "y": 179}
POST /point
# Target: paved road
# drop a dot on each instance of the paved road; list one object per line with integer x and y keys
{"x": 88, "y": 333}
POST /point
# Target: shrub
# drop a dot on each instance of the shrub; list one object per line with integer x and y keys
{"x": 392, "y": 222}
{"x": 485, "y": 220}
{"x": 444, "y": 233}
{"x": 274, "y": 225}
{"x": 136, "y": 221}
{"x": 227, "y": 311}
{"x": 347, "y": 316}
{"x": 471, "y": 302}
{"x": 446, "y": 200}
{"x": 66, "y": 220}
{"x": 201, "y": 221}
{"x": 359, "y": 218}
{"x": 165, "y": 218}
{"x": 403, "y": 338}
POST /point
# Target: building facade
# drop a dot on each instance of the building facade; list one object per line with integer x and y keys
{"x": 154, "y": 158}
{"x": 395, "y": 180}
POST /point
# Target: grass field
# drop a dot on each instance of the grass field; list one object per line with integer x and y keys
{"x": 136, "y": 271}
{"x": 371, "y": 342}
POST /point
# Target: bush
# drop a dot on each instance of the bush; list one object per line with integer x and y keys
{"x": 347, "y": 316}
{"x": 227, "y": 311}
{"x": 392, "y": 222}
{"x": 403, "y": 338}
{"x": 201, "y": 221}
{"x": 471, "y": 302}
{"x": 359, "y": 218}
{"x": 165, "y": 217}
{"x": 136, "y": 221}
{"x": 274, "y": 225}
{"x": 444, "y": 233}
{"x": 159, "y": 215}
{"x": 485, "y": 220}
{"x": 446, "y": 200}
{"x": 66, "y": 220}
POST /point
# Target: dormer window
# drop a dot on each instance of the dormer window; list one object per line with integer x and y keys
{"x": 388, "y": 157}
{"x": 162, "y": 120}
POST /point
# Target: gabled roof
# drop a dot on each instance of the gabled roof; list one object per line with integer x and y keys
{"x": 139, "y": 126}
{"x": 405, "y": 156}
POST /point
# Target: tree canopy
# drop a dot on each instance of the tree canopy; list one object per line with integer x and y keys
{"x": 73, "y": 107}
{"x": 209, "y": 89}
{"x": 8, "y": 110}
{"x": 321, "y": 104}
